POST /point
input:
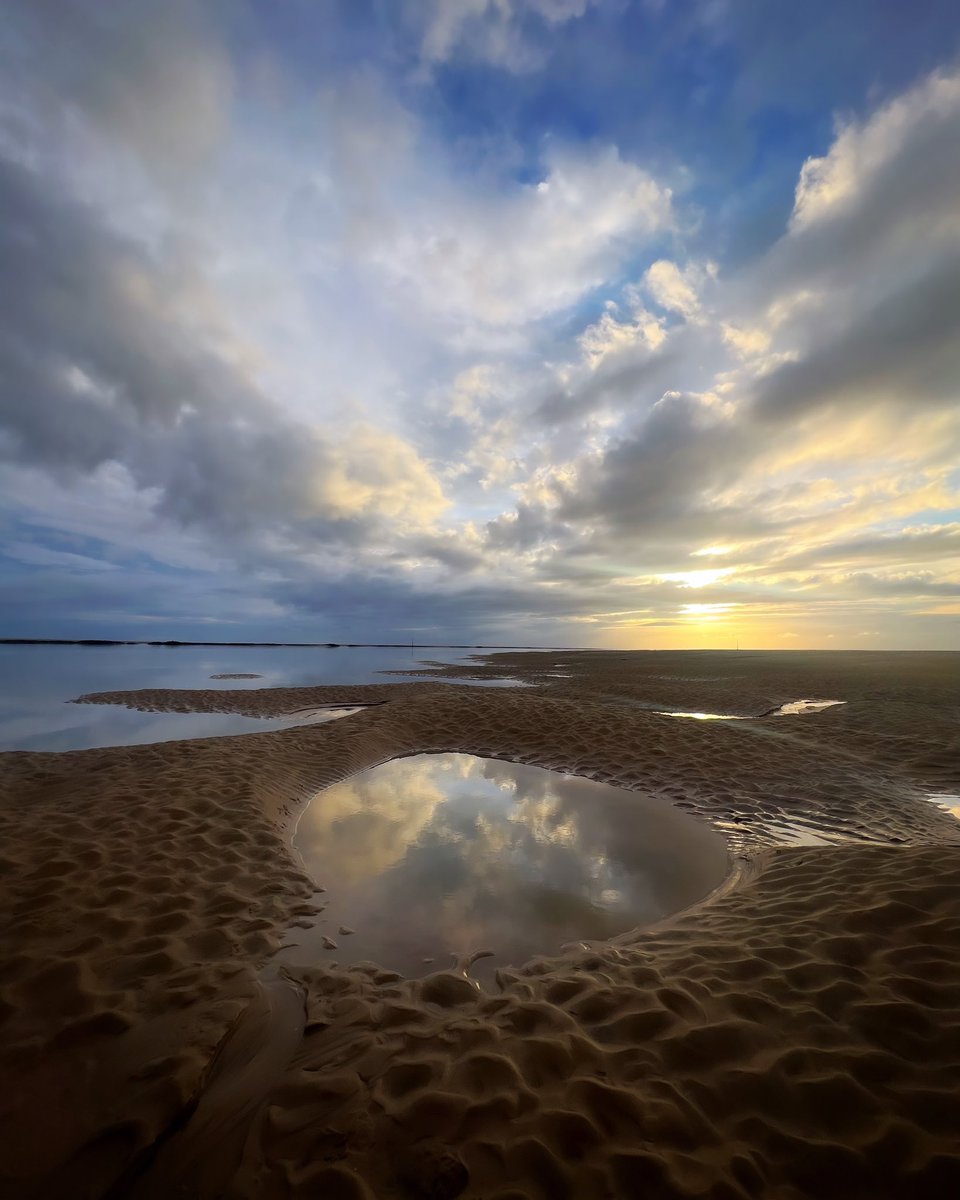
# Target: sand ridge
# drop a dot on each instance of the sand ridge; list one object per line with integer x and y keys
{"x": 749, "y": 778}
{"x": 797, "y": 1036}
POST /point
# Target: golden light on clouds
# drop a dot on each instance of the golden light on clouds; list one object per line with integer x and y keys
{"x": 697, "y": 579}
{"x": 707, "y": 611}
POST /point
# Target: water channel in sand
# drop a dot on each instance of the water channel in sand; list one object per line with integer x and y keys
{"x": 431, "y": 858}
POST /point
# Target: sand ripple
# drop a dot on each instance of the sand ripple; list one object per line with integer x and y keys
{"x": 797, "y": 1036}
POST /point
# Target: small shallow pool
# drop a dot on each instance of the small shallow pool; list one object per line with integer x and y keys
{"x": 948, "y": 801}
{"x": 791, "y": 709}
{"x": 91, "y": 726}
{"x": 432, "y": 858}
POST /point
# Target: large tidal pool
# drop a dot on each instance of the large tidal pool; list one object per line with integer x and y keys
{"x": 427, "y": 860}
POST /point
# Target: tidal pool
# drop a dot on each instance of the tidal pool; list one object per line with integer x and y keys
{"x": 948, "y": 801}
{"x": 795, "y": 707}
{"x": 429, "y": 859}
{"x": 791, "y": 709}
{"x": 89, "y": 726}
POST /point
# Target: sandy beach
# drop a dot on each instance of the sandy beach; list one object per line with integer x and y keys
{"x": 796, "y": 1034}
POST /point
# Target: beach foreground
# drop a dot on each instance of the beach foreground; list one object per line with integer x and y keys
{"x": 796, "y": 1034}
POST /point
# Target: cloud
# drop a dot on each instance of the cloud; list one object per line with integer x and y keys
{"x": 909, "y": 546}
{"x": 382, "y": 474}
{"x": 830, "y": 365}
{"x": 153, "y": 78}
{"x": 461, "y": 251}
{"x": 881, "y": 204}
{"x": 529, "y": 526}
{"x": 115, "y": 375}
{"x": 857, "y": 170}
{"x": 531, "y": 250}
{"x": 611, "y": 337}
{"x": 903, "y": 351}
{"x": 685, "y": 446}
{"x": 675, "y": 289}
{"x": 494, "y": 32}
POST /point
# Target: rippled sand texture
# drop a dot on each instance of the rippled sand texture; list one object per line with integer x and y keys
{"x": 799, "y": 1035}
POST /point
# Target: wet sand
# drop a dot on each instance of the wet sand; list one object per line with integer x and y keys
{"x": 798, "y": 1034}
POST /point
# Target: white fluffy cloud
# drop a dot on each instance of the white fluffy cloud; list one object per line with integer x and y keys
{"x": 676, "y": 289}
{"x": 527, "y": 251}
{"x": 610, "y": 336}
{"x": 378, "y": 473}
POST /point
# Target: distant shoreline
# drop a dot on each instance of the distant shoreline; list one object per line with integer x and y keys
{"x": 173, "y": 643}
{"x": 274, "y": 645}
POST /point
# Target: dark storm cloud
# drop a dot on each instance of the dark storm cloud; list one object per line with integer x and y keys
{"x": 623, "y": 381}
{"x": 97, "y": 368}
{"x": 482, "y": 605}
{"x": 681, "y": 451}
{"x": 900, "y": 586}
{"x": 60, "y": 602}
{"x": 905, "y": 202}
{"x": 904, "y": 351}
{"x": 152, "y": 77}
{"x": 928, "y": 545}
{"x": 444, "y": 551}
{"x": 77, "y": 298}
{"x": 530, "y": 526}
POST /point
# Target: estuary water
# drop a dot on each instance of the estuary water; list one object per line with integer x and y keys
{"x": 38, "y": 682}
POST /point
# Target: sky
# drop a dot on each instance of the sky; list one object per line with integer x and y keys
{"x": 614, "y": 323}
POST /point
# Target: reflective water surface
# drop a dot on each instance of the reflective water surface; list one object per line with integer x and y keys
{"x": 443, "y": 855}
{"x": 804, "y": 706}
{"x": 37, "y": 683}
{"x": 948, "y": 801}
{"x": 793, "y": 708}
{"x": 87, "y": 726}
{"x": 702, "y": 716}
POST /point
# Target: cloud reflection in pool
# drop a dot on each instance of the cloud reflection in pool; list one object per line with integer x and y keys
{"x": 447, "y": 854}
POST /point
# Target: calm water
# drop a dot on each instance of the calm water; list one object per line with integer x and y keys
{"x": 792, "y": 709}
{"x": 948, "y": 801}
{"x": 37, "y": 681}
{"x": 442, "y": 855}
